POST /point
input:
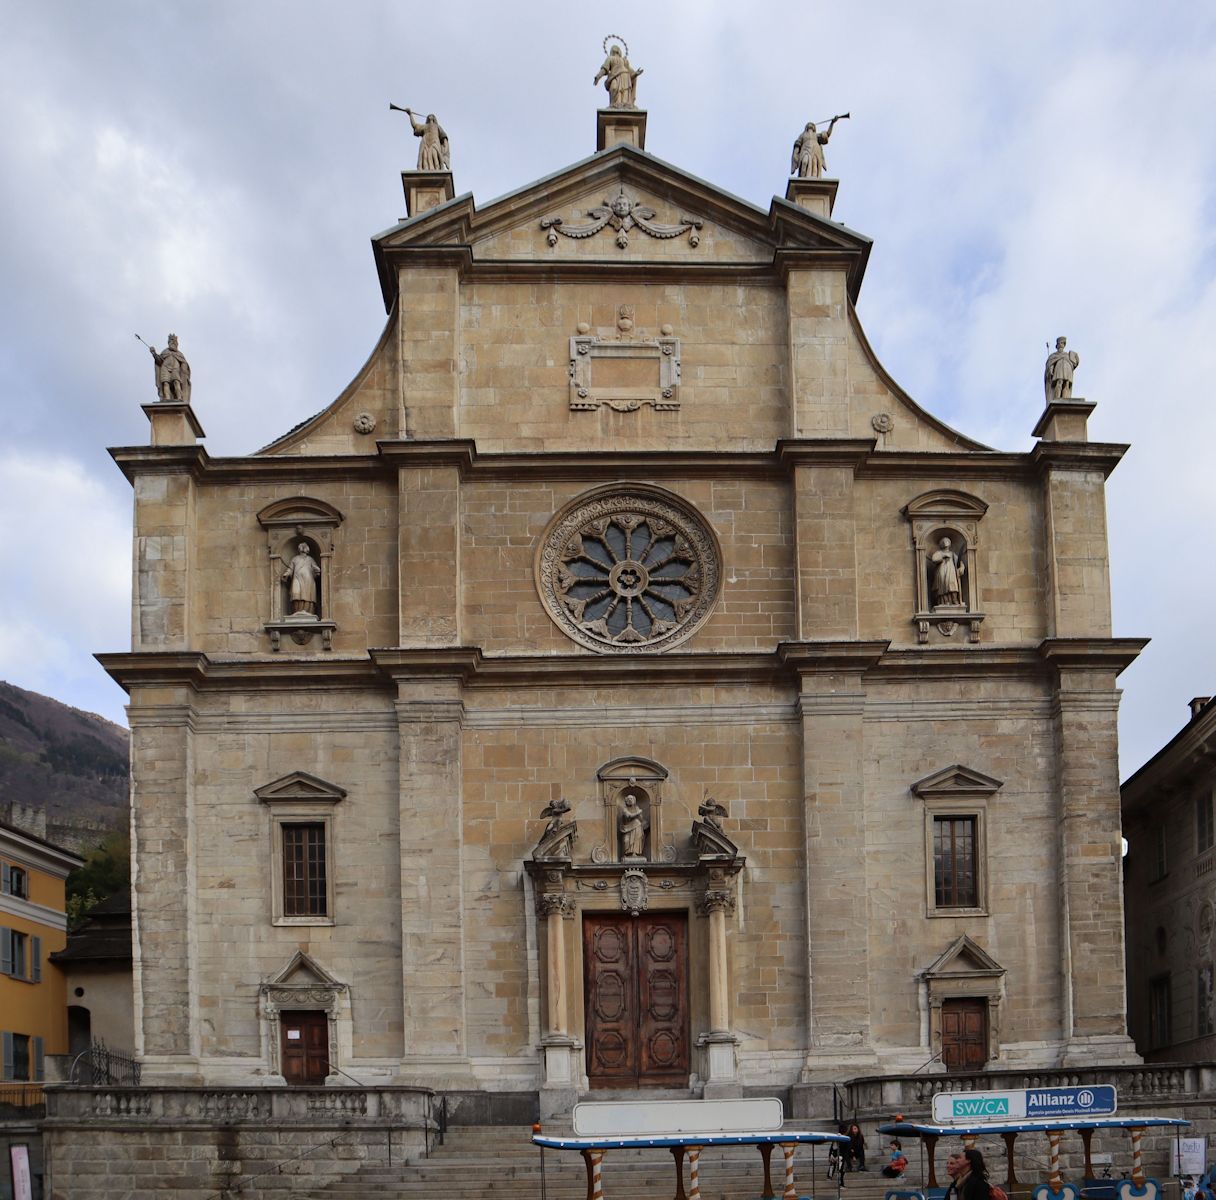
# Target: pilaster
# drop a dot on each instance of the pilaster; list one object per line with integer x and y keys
{"x": 825, "y": 550}
{"x": 430, "y": 718}
{"x": 429, "y": 555}
{"x": 1091, "y": 863}
{"x": 429, "y": 304}
{"x": 163, "y": 887}
{"x": 831, "y": 702}
{"x": 818, "y": 305}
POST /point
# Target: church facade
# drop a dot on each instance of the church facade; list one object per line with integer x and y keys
{"x": 623, "y": 683}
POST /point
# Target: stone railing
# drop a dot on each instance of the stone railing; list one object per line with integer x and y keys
{"x": 880, "y": 1097}
{"x": 400, "y": 1107}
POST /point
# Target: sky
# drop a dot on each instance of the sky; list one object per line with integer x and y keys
{"x": 218, "y": 169}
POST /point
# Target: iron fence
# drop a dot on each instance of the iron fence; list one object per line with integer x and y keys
{"x": 103, "y": 1067}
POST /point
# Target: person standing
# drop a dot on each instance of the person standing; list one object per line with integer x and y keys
{"x": 968, "y": 1176}
{"x": 857, "y": 1147}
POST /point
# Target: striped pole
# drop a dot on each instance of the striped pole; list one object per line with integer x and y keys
{"x": 1137, "y": 1162}
{"x": 791, "y": 1192}
{"x": 595, "y": 1186}
{"x": 694, "y": 1172}
{"x": 1055, "y": 1180}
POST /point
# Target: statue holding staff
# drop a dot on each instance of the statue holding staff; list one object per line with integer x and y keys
{"x": 302, "y": 574}
{"x": 434, "y": 151}
{"x": 172, "y": 372}
{"x": 807, "y": 160}
{"x": 1057, "y": 372}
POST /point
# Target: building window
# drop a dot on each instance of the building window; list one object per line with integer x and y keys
{"x": 21, "y": 1057}
{"x": 1205, "y": 1020}
{"x": 20, "y": 955}
{"x": 305, "y": 890}
{"x": 1159, "y": 1005}
{"x": 301, "y": 809}
{"x": 1203, "y": 822}
{"x": 955, "y": 874}
{"x": 1158, "y": 865}
{"x": 14, "y": 881}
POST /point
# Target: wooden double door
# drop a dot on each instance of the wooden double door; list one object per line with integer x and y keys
{"x": 636, "y": 999}
{"x": 965, "y": 1034}
{"x": 305, "y": 1047}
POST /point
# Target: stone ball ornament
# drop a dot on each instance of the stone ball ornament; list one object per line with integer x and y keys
{"x": 628, "y": 569}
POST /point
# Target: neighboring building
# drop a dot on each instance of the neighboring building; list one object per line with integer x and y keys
{"x": 1170, "y": 890}
{"x": 33, "y": 1007}
{"x": 96, "y": 963}
{"x": 623, "y": 509}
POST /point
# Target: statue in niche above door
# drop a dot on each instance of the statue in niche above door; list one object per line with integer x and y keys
{"x": 633, "y": 825}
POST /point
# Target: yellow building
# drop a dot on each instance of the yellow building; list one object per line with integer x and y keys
{"x": 33, "y": 1004}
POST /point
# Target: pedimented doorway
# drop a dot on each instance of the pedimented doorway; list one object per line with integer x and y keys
{"x": 636, "y": 999}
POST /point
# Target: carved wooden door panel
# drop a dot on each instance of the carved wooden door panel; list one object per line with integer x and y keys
{"x": 636, "y": 998}
{"x": 965, "y": 1034}
{"x": 305, "y": 1050}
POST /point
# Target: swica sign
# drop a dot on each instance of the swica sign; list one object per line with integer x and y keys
{"x": 1098, "y": 1100}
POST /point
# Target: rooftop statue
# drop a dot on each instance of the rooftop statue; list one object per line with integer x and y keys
{"x": 807, "y": 161}
{"x": 172, "y": 372}
{"x": 619, "y": 77}
{"x": 1057, "y": 372}
{"x": 434, "y": 151}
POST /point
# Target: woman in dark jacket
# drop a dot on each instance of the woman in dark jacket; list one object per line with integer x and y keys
{"x": 857, "y": 1147}
{"x": 968, "y": 1176}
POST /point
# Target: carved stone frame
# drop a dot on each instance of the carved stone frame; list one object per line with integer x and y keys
{"x": 646, "y": 776}
{"x": 315, "y": 522}
{"x": 305, "y": 985}
{"x": 965, "y": 971}
{"x": 586, "y": 397}
{"x": 946, "y": 512}
{"x": 957, "y": 791}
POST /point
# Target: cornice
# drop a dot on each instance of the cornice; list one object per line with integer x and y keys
{"x": 1078, "y": 456}
{"x": 949, "y": 464}
{"x": 1092, "y": 653}
{"x": 824, "y": 452}
{"x": 160, "y": 460}
{"x": 789, "y": 661}
{"x": 1189, "y": 753}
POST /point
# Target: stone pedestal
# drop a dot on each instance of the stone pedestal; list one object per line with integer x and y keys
{"x": 817, "y": 196}
{"x": 720, "y": 1065}
{"x": 425, "y": 190}
{"x": 560, "y": 1056}
{"x": 1065, "y": 421}
{"x": 173, "y": 423}
{"x": 616, "y": 126}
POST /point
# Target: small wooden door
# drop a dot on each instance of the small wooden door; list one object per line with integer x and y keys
{"x": 636, "y": 999}
{"x": 964, "y": 1034}
{"x": 305, "y": 1047}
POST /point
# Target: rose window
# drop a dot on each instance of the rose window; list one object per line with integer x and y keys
{"x": 628, "y": 571}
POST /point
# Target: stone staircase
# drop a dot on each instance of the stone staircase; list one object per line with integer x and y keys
{"x": 500, "y": 1161}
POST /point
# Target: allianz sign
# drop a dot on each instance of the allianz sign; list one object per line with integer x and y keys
{"x": 1097, "y": 1100}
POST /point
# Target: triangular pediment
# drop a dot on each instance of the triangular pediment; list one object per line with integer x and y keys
{"x": 964, "y": 957}
{"x": 956, "y": 781}
{"x": 299, "y": 787}
{"x": 302, "y": 970}
{"x": 715, "y": 228}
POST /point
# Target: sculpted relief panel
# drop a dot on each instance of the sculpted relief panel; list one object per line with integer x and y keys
{"x": 628, "y": 569}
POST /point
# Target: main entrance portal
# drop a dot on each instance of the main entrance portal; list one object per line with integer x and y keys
{"x": 636, "y": 997}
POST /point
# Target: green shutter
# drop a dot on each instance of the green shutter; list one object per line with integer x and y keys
{"x": 6, "y": 879}
{"x": 39, "y": 1060}
{"x": 36, "y": 959}
{"x": 6, "y": 1061}
{"x": 6, "y": 951}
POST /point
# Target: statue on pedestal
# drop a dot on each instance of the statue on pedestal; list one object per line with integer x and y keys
{"x": 619, "y": 77}
{"x": 947, "y": 575}
{"x": 172, "y": 372}
{"x": 633, "y": 828}
{"x": 434, "y": 151}
{"x": 807, "y": 161}
{"x": 1057, "y": 373}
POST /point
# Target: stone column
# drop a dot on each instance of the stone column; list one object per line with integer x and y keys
{"x": 560, "y": 1051}
{"x": 818, "y": 305}
{"x": 430, "y": 716}
{"x": 719, "y": 1046}
{"x": 1091, "y": 862}
{"x": 165, "y": 968}
{"x": 429, "y": 349}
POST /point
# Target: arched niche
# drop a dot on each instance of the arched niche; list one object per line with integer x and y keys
{"x": 946, "y": 522}
{"x": 644, "y": 780}
{"x": 289, "y": 524}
